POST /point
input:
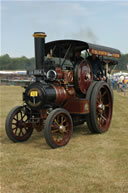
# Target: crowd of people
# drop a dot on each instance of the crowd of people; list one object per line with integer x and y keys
{"x": 119, "y": 82}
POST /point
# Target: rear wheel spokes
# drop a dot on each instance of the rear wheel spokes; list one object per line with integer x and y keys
{"x": 107, "y": 105}
{"x": 101, "y": 121}
{"x": 98, "y": 100}
{"x": 101, "y": 104}
{"x": 103, "y": 117}
{"x": 102, "y": 108}
{"x": 101, "y": 114}
{"x": 104, "y": 93}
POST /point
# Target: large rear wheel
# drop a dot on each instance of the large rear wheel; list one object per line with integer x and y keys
{"x": 58, "y": 128}
{"x": 101, "y": 105}
{"x": 88, "y": 98}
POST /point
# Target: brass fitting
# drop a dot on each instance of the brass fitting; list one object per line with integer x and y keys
{"x": 39, "y": 35}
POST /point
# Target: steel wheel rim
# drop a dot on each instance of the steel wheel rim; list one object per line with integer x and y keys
{"x": 61, "y": 129}
{"x": 103, "y": 108}
{"x": 20, "y": 127}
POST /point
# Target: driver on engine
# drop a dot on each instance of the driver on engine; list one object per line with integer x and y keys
{"x": 96, "y": 67}
{"x": 78, "y": 57}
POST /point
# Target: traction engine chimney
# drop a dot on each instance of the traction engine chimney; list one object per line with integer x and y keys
{"x": 39, "y": 38}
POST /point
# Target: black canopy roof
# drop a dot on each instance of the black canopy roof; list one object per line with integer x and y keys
{"x": 81, "y": 45}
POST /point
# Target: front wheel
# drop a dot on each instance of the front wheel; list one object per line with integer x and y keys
{"x": 17, "y": 126}
{"x": 58, "y": 128}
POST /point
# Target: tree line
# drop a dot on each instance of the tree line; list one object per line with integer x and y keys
{"x": 123, "y": 62}
{"x": 24, "y": 63}
{"x": 19, "y": 63}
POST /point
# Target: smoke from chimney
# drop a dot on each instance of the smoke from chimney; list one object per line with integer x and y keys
{"x": 86, "y": 35}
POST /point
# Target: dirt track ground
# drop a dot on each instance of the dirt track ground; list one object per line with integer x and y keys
{"x": 88, "y": 164}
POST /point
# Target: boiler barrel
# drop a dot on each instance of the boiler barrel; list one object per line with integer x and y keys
{"x": 37, "y": 95}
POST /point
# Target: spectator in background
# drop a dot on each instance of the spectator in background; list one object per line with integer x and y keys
{"x": 121, "y": 79}
{"x": 121, "y": 82}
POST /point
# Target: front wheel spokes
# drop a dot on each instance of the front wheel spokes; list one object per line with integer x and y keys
{"x": 59, "y": 128}
{"x": 55, "y": 131}
{"x": 15, "y": 131}
{"x": 23, "y": 116}
{"x": 20, "y": 115}
{"x": 54, "y": 128}
{"x": 20, "y": 126}
{"x": 17, "y": 117}
{"x": 14, "y": 119}
{"x": 55, "y": 120}
{"x": 21, "y": 132}
{"x": 63, "y": 119}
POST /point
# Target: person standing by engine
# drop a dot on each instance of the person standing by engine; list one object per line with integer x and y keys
{"x": 96, "y": 67}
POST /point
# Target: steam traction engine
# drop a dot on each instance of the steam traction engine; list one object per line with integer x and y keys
{"x": 64, "y": 92}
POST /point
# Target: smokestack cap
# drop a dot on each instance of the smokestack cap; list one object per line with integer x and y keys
{"x": 39, "y": 35}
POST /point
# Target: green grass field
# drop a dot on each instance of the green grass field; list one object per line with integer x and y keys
{"x": 88, "y": 164}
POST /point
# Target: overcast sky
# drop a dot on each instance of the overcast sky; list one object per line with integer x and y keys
{"x": 100, "y": 22}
